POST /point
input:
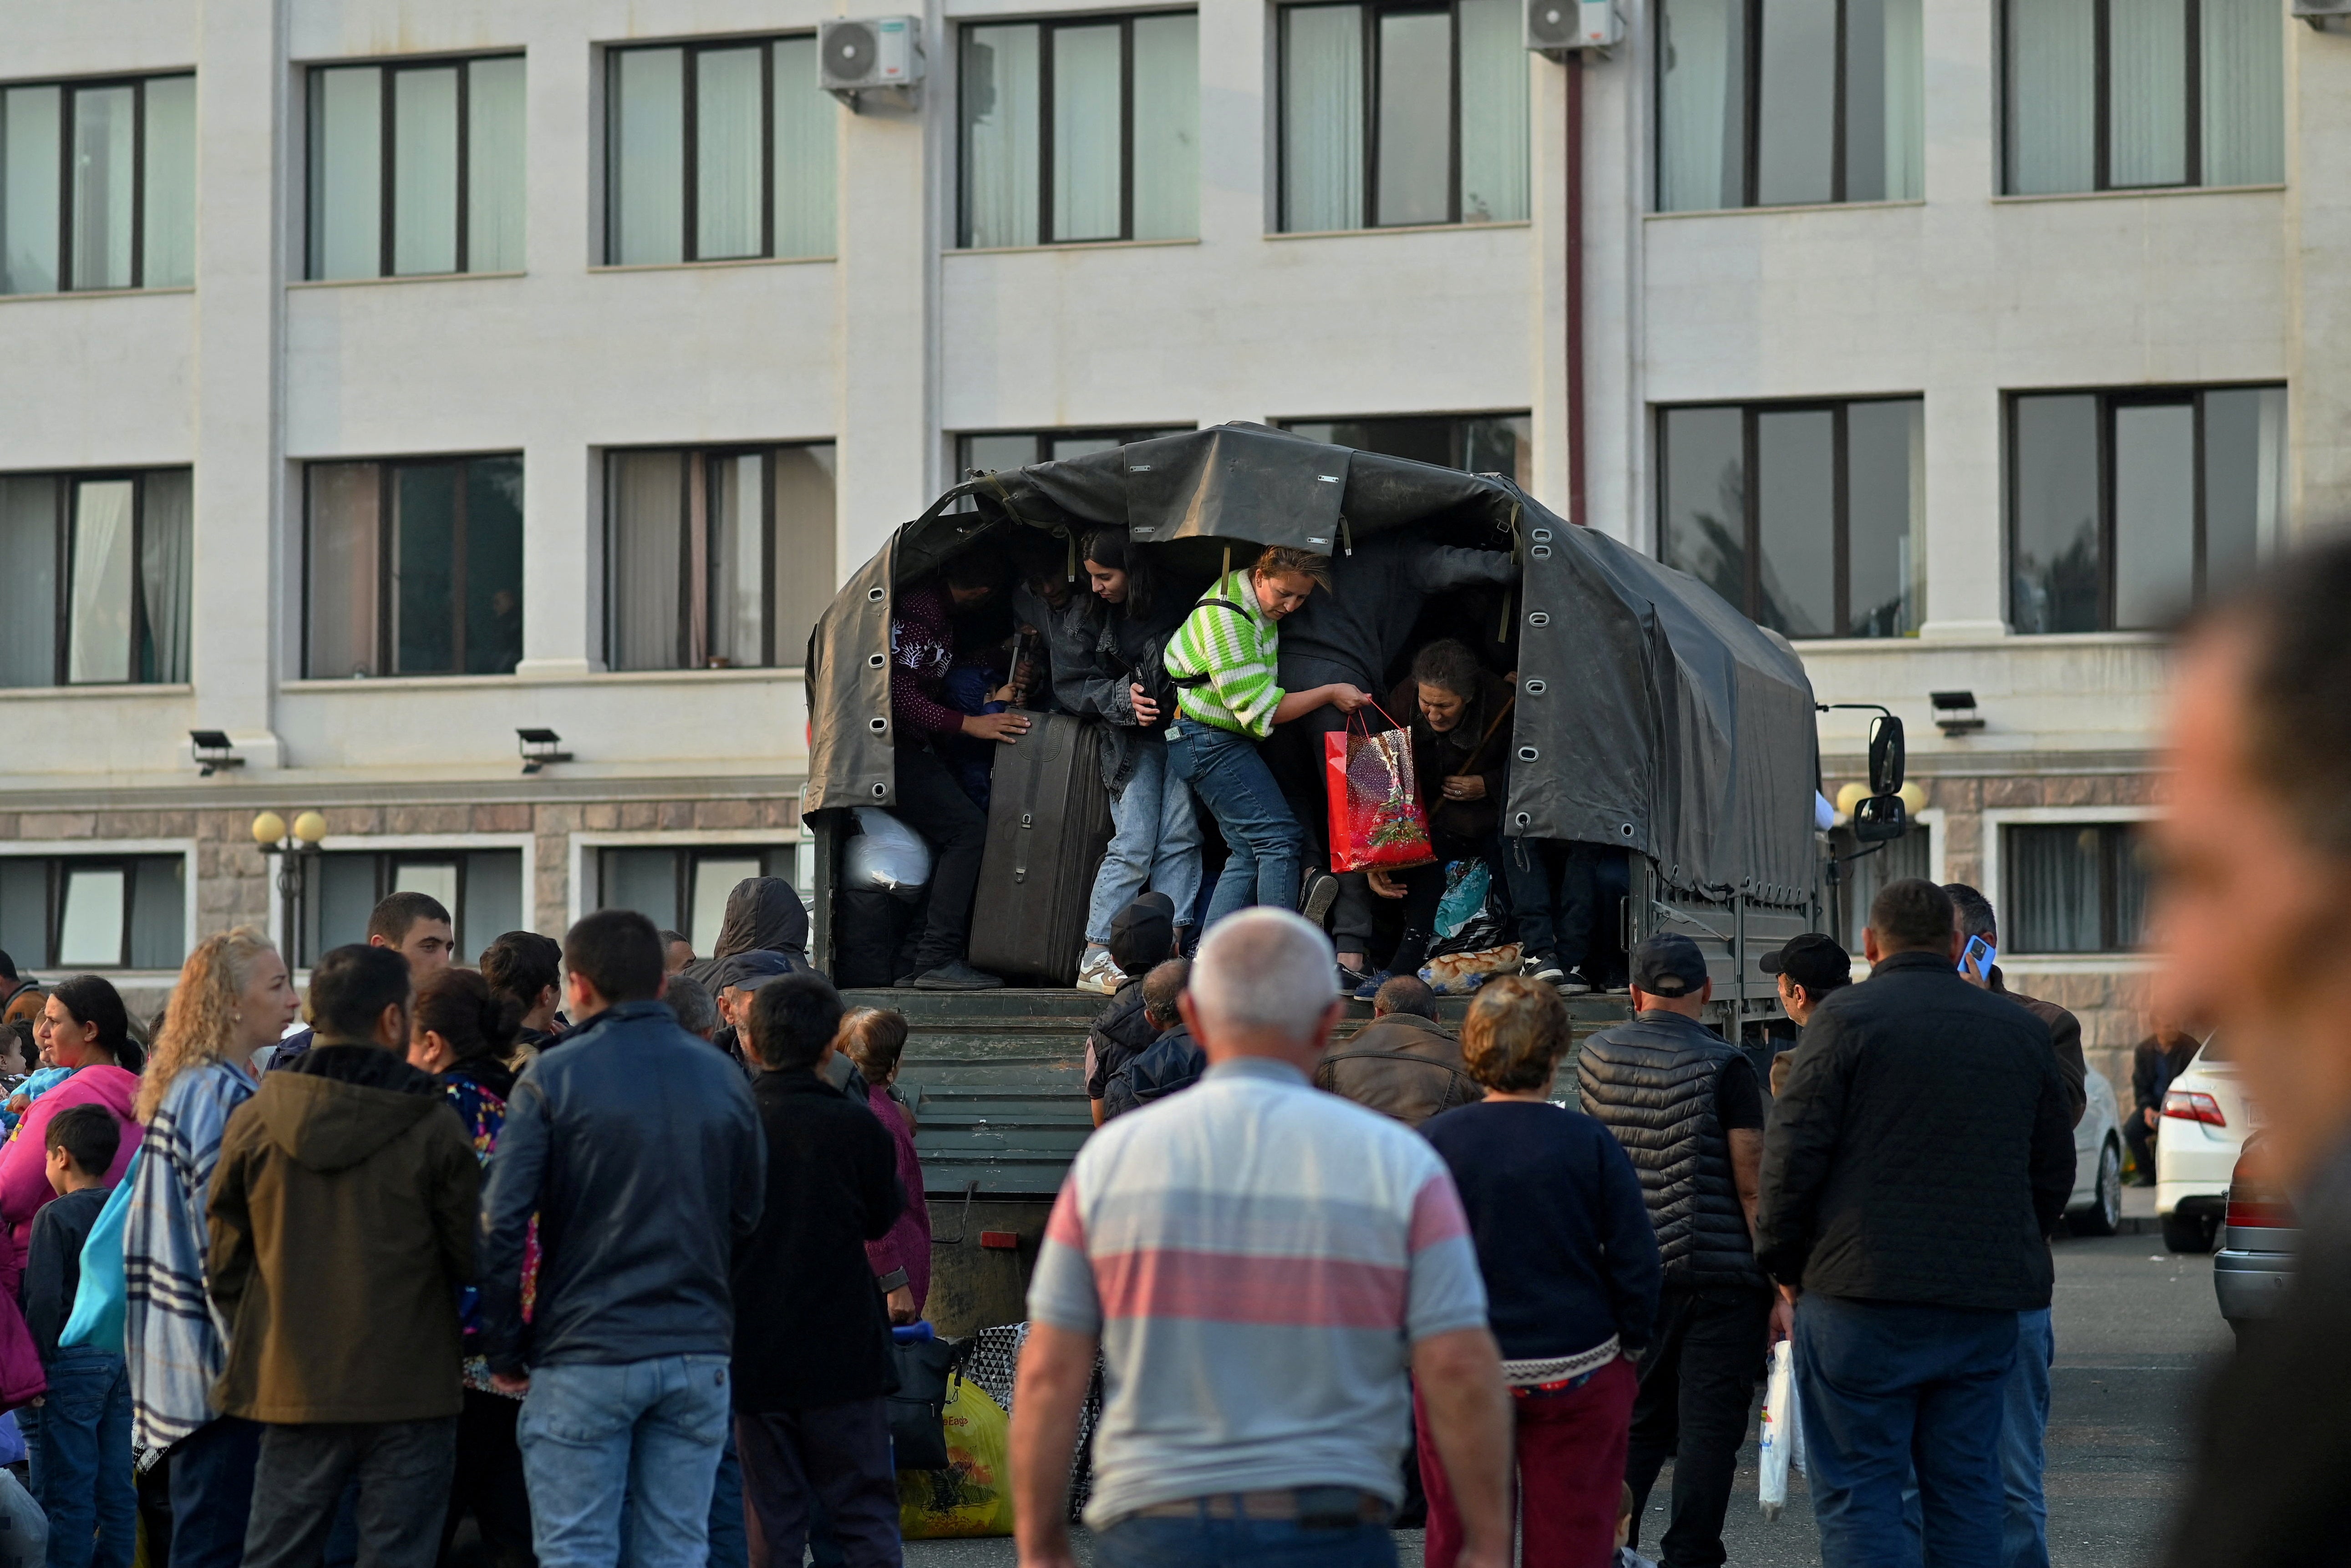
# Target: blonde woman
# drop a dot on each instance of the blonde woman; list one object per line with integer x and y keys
{"x": 234, "y": 998}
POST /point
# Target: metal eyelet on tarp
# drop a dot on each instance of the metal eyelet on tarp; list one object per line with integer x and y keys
{"x": 878, "y": 724}
{"x": 875, "y": 661}
{"x": 1536, "y": 688}
{"x": 1538, "y": 618}
{"x": 874, "y": 594}
{"x": 1527, "y": 754}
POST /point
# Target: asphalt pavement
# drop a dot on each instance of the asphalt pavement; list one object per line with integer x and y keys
{"x": 2136, "y": 1331}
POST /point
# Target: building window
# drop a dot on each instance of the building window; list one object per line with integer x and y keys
{"x": 1770, "y": 103}
{"x": 1477, "y": 443}
{"x": 1403, "y": 113}
{"x": 717, "y": 151}
{"x": 2073, "y": 888}
{"x": 98, "y": 185}
{"x": 94, "y": 578}
{"x": 686, "y": 889}
{"x": 2117, "y": 95}
{"x": 1020, "y": 448}
{"x": 416, "y": 168}
{"x": 415, "y": 568}
{"x": 1082, "y": 130}
{"x": 716, "y": 556}
{"x": 1809, "y": 517}
{"x": 1865, "y": 871}
{"x": 95, "y": 911}
{"x": 2126, "y": 508}
{"x": 481, "y": 889}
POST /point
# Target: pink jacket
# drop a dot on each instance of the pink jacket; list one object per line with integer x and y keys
{"x": 907, "y": 1243}
{"x": 24, "y": 1176}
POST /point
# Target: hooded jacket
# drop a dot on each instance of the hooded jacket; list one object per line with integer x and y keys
{"x": 763, "y": 913}
{"x": 342, "y": 1227}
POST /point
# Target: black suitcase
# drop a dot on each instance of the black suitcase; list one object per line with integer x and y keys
{"x": 1047, "y": 825}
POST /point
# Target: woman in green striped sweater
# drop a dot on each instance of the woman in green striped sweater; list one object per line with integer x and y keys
{"x": 1223, "y": 661}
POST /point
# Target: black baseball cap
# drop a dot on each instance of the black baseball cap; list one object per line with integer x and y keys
{"x": 1812, "y": 960}
{"x": 1669, "y": 965}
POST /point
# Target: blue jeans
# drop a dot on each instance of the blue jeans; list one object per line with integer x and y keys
{"x": 2025, "y": 1537}
{"x": 80, "y": 1452}
{"x": 1883, "y": 1385}
{"x": 646, "y": 1432}
{"x": 1226, "y": 1542}
{"x": 212, "y": 1493}
{"x": 1264, "y": 841}
{"x": 1155, "y": 839}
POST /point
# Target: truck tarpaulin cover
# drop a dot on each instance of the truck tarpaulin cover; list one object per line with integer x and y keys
{"x": 1651, "y": 714}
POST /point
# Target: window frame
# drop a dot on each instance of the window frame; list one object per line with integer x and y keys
{"x": 65, "y": 483}
{"x": 689, "y": 142}
{"x": 1456, "y": 431}
{"x": 391, "y": 847}
{"x": 586, "y": 865}
{"x": 387, "y": 150}
{"x": 1372, "y": 11}
{"x": 67, "y": 87}
{"x": 2000, "y": 871}
{"x": 2191, "y": 160}
{"x": 1751, "y": 497}
{"x": 1044, "y": 435}
{"x": 2109, "y": 399}
{"x": 386, "y": 631}
{"x": 58, "y": 854}
{"x": 1046, "y": 26}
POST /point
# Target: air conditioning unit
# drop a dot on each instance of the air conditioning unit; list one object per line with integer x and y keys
{"x": 1555, "y": 26}
{"x": 2318, "y": 13}
{"x": 869, "y": 55}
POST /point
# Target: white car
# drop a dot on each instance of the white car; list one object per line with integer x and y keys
{"x": 2096, "y": 1205}
{"x": 2205, "y": 1125}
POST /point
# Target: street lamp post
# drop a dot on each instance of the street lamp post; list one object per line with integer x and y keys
{"x": 295, "y": 846}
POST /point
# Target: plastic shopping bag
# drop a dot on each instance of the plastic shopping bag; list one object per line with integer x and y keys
{"x": 972, "y": 1496}
{"x": 1778, "y": 1439}
{"x": 1376, "y": 819}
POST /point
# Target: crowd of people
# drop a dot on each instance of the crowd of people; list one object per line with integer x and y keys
{"x": 1214, "y": 708}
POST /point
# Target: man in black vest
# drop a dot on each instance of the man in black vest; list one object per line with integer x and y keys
{"x": 1689, "y": 1112}
{"x": 1921, "y": 1155}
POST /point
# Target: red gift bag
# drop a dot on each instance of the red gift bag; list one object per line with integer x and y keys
{"x": 1376, "y": 819}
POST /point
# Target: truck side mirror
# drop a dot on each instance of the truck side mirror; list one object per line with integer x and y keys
{"x": 1878, "y": 818}
{"x": 1886, "y": 755}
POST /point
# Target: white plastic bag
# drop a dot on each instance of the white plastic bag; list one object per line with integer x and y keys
{"x": 1778, "y": 1437}
{"x": 886, "y": 854}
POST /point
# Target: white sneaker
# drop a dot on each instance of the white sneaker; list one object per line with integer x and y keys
{"x": 1100, "y": 974}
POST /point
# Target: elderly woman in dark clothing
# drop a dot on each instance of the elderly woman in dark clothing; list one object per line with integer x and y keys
{"x": 1458, "y": 711}
{"x": 1572, "y": 1272}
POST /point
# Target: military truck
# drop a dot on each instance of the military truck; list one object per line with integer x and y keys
{"x": 1651, "y": 715}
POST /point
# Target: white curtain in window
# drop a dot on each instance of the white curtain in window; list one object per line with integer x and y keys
{"x": 739, "y": 532}
{"x": 164, "y": 557}
{"x": 805, "y": 158}
{"x": 424, "y": 171}
{"x": 1906, "y": 101}
{"x": 2244, "y": 443}
{"x": 345, "y": 505}
{"x": 713, "y": 882}
{"x": 346, "y": 172}
{"x": 2053, "y": 96}
{"x": 29, "y": 581}
{"x": 2052, "y": 893}
{"x": 1088, "y": 133}
{"x": 98, "y": 629}
{"x": 2154, "y": 513}
{"x": 1494, "y": 65}
{"x": 28, "y": 189}
{"x": 170, "y": 195}
{"x": 1415, "y": 113}
{"x": 1702, "y": 105}
{"x": 729, "y": 173}
{"x": 647, "y": 543}
{"x": 2244, "y": 92}
{"x": 1166, "y": 111}
{"x": 1795, "y": 158}
{"x": 2146, "y": 64}
{"x": 494, "y": 181}
{"x": 648, "y": 157}
{"x": 1323, "y": 118}
{"x": 802, "y": 555}
{"x": 999, "y": 135}
{"x": 103, "y": 183}
{"x": 89, "y": 924}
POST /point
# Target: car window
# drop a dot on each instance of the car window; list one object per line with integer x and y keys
{"x": 2214, "y": 1050}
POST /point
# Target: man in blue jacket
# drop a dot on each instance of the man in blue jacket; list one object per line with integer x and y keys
{"x": 638, "y": 1149}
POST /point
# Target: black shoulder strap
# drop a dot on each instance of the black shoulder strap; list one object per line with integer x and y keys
{"x": 1202, "y": 680}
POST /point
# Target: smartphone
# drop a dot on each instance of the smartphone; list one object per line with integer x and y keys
{"x": 1977, "y": 958}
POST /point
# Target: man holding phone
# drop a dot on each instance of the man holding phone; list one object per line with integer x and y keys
{"x": 2024, "y": 1533}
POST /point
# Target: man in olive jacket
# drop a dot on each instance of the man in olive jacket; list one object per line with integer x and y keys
{"x": 1922, "y": 1151}
{"x": 342, "y": 1228}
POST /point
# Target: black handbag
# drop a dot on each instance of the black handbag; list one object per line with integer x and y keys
{"x": 917, "y": 1411}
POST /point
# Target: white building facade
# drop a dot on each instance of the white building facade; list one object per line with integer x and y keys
{"x": 386, "y": 376}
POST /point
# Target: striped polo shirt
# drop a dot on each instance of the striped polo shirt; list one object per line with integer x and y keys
{"x": 1238, "y": 652}
{"x": 1258, "y": 1258}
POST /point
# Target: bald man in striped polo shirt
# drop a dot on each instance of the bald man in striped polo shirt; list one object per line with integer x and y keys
{"x": 1261, "y": 1264}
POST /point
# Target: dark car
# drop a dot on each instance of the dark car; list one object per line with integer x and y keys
{"x": 2257, "y": 1242}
